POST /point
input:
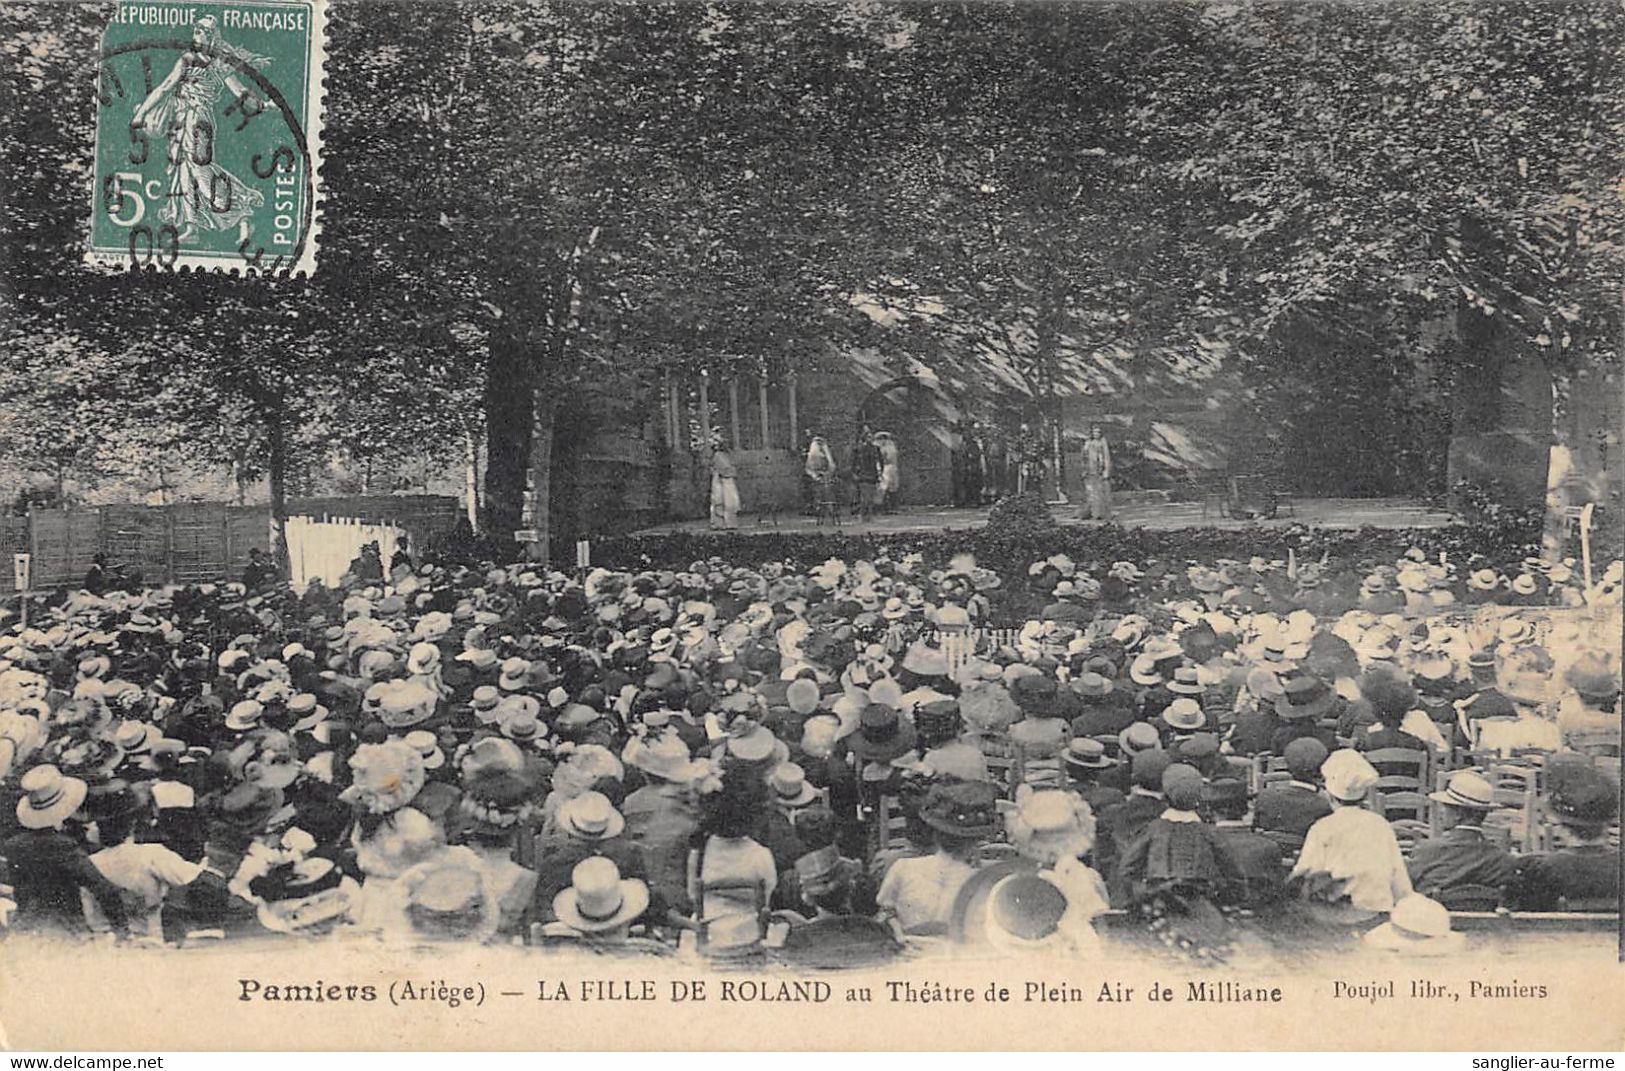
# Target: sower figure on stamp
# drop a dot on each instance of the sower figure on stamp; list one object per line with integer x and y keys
{"x": 201, "y": 195}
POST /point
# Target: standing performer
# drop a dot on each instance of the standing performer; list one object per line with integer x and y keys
{"x": 890, "y": 478}
{"x": 1097, "y": 475}
{"x": 724, "y": 491}
{"x": 865, "y": 462}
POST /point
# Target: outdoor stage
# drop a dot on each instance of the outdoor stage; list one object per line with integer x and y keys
{"x": 1132, "y": 511}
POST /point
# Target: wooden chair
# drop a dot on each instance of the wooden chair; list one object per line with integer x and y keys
{"x": 756, "y": 894}
{"x": 890, "y": 825}
{"x": 1407, "y": 769}
{"x": 1404, "y": 804}
{"x": 1517, "y": 789}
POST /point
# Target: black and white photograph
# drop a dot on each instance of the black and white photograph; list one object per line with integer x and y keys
{"x": 836, "y": 507}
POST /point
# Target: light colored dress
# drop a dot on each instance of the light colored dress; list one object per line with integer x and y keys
{"x": 724, "y": 491}
{"x": 890, "y": 476}
{"x": 921, "y": 891}
{"x": 1097, "y": 478}
{"x": 733, "y": 861}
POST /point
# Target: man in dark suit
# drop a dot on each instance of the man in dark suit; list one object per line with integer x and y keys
{"x": 1085, "y": 761}
{"x": 1259, "y": 877}
{"x": 1103, "y": 712}
{"x": 1305, "y": 700}
{"x": 1461, "y": 855}
{"x": 1289, "y": 810}
{"x": 1122, "y": 825}
{"x": 1584, "y": 873}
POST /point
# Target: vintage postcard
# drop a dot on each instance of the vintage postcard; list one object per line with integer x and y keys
{"x": 902, "y": 525}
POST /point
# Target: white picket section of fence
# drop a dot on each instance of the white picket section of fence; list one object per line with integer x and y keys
{"x": 323, "y": 549}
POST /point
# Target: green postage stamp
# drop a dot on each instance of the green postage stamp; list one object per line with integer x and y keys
{"x": 208, "y": 136}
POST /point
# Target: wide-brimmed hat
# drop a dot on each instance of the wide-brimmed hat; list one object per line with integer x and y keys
{"x": 1184, "y": 715}
{"x": 1049, "y": 825}
{"x": 1092, "y": 686}
{"x": 1304, "y": 696}
{"x": 963, "y": 809}
{"x": 1025, "y": 908}
{"x": 309, "y": 712}
{"x": 1583, "y": 798}
{"x": 598, "y": 898}
{"x": 788, "y": 783}
{"x": 663, "y": 755}
{"x": 882, "y": 734}
{"x": 448, "y": 900}
{"x": 1468, "y": 789}
{"x": 479, "y": 657}
{"x": 1085, "y": 752}
{"x": 426, "y": 744}
{"x": 1186, "y": 682}
{"x": 1417, "y": 926}
{"x": 1138, "y": 737}
{"x": 590, "y": 816}
{"x": 49, "y": 797}
{"x": 245, "y": 715}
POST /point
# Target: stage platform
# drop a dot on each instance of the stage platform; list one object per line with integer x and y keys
{"x": 1131, "y": 512}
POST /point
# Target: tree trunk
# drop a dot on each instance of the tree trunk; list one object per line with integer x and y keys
{"x": 540, "y": 477}
{"x": 471, "y": 478}
{"x": 278, "y": 434}
{"x": 509, "y": 413}
{"x": 1559, "y": 469}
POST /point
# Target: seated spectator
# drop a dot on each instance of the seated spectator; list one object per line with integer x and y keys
{"x": 1584, "y": 870}
{"x": 919, "y": 893}
{"x": 1290, "y": 809}
{"x": 1351, "y": 857}
{"x": 1461, "y": 854}
{"x": 599, "y": 905}
{"x": 1257, "y": 876}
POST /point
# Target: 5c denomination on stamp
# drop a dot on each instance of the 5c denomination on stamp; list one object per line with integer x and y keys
{"x": 208, "y": 136}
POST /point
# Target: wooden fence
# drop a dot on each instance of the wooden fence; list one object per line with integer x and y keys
{"x": 191, "y": 541}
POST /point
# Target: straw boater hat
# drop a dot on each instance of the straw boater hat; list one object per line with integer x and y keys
{"x": 599, "y": 899}
{"x": 788, "y": 783}
{"x": 426, "y": 744}
{"x": 49, "y": 797}
{"x": 245, "y": 715}
{"x": 1087, "y": 753}
{"x": 1141, "y": 736}
{"x": 307, "y": 710}
{"x": 1467, "y": 789}
{"x": 1184, "y": 715}
{"x": 590, "y": 816}
{"x": 1186, "y": 682}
